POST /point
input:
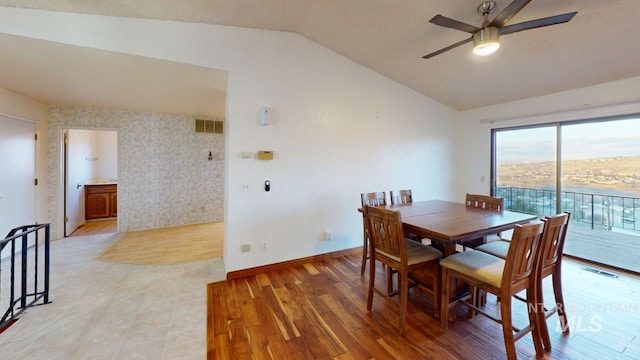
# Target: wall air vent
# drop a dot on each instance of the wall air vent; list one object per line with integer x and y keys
{"x": 600, "y": 272}
{"x": 210, "y": 126}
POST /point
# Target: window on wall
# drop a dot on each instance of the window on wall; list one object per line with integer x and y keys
{"x": 599, "y": 183}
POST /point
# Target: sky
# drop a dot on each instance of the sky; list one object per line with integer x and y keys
{"x": 580, "y": 141}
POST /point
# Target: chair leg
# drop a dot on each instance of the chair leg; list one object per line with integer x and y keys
{"x": 390, "y": 291}
{"x": 403, "y": 284}
{"x": 562, "y": 314}
{"x": 474, "y": 294}
{"x": 372, "y": 279}
{"x": 444, "y": 299}
{"x": 482, "y": 298}
{"x": 537, "y": 319}
{"x": 365, "y": 254}
{"x": 437, "y": 284}
{"x": 541, "y": 315}
{"x": 507, "y": 328}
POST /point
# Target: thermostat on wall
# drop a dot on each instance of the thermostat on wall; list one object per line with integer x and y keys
{"x": 265, "y": 155}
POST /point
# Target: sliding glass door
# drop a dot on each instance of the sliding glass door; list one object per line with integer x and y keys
{"x": 525, "y": 169}
{"x": 599, "y": 163}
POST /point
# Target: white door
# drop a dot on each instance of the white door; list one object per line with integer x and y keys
{"x": 77, "y": 158}
{"x": 17, "y": 178}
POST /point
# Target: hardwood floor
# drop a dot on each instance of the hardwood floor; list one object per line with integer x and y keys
{"x": 172, "y": 245}
{"x": 318, "y": 311}
{"x": 96, "y": 227}
{"x": 165, "y": 246}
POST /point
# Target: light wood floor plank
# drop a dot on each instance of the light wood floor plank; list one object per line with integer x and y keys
{"x": 174, "y": 245}
{"x": 96, "y": 227}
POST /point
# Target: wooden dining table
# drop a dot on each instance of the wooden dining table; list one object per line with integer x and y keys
{"x": 448, "y": 223}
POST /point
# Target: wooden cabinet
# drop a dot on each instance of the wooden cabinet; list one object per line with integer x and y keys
{"x": 101, "y": 201}
{"x": 113, "y": 204}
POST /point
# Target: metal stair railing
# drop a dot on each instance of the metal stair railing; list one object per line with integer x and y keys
{"x": 29, "y": 278}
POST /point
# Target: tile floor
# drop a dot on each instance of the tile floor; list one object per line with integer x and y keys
{"x": 104, "y": 310}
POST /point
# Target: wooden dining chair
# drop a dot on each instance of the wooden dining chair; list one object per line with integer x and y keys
{"x": 501, "y": 277}
{"x": 550, "y": 264}
{"x": 401, "y": 197}
{"x": 389, "y": 246}
{"x": 405, "y": 197}
{"x": 484, "y": 202}
{"x": 369, "y": 199}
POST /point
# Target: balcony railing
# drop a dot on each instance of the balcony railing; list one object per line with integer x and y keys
{"x": 609, "y": 212}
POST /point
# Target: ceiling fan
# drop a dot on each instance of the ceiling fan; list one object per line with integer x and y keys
{"x": 486, "y": 38}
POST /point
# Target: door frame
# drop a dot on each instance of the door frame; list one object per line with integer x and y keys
{"x": 62, "y": 175}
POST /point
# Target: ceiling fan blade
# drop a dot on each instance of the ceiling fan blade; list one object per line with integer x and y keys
{"x": 453, "y": 24}
{"x": 551, "y": 20}
{"x": 510, "y": 11}
{"x": 447, "y": 48}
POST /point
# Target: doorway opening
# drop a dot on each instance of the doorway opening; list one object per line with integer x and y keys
{"x": 90, "y": 169}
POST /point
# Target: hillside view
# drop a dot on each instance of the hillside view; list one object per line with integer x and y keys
{"x": 621, "y": 174}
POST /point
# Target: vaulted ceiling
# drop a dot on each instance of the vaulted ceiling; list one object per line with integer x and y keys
{"x": 390, "y": 37}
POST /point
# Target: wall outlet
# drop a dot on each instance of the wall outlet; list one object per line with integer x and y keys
{"x": 244, "y": 188}
{"x": 264, "y": 245}
{"x": 326, "y": 235}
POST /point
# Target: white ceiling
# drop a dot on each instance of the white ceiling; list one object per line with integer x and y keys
{"x": 388, "y": 36}
{"x": 102, "y": 79}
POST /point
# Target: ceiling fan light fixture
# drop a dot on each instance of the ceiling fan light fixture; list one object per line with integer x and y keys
{"x": 486, "y": 41}
{"x": 486, "y": 37}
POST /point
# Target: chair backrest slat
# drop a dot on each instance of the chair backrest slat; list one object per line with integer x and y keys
{"x": 374, "y": 199}
{"x": 485, "y": 202}
{"x": 401, "y": 197}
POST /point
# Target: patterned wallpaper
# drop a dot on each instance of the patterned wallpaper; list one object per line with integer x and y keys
{"x": 164, "y": 175}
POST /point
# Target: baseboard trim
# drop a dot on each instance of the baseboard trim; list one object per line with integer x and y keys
{"x": 295, "y": 262}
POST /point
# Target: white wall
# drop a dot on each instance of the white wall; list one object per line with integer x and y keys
{"x": 84, "y": 150}
{"x": 335, "y": 140}
{"x": 25, "y": 108}
{"x": 99, "y": 149}
{"x": 339, "y": 129}
{"x": 106, "y": 152}
{"x": 474, "y": 126}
